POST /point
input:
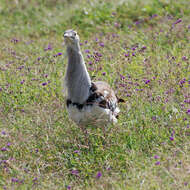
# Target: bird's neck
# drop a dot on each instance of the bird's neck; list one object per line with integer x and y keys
{"x": 77, "y": 78}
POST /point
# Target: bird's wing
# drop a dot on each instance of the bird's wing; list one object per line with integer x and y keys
{"x": 106, "y": 96}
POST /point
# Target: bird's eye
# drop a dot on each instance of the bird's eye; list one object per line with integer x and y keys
{"x": 75, "y": 33}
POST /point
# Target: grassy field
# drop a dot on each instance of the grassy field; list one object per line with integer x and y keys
{"x": 141, "y": 48}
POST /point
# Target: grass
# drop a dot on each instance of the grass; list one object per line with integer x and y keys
{"x": 141, "y": 49}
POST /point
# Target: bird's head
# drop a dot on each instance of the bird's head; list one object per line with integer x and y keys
{"x": 71, "y": 38}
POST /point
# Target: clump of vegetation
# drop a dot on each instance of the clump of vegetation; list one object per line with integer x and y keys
{"x": 141, "y": 49}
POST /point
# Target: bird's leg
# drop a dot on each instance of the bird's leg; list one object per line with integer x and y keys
{"x": 104, "y": 131}
{"x": 86, "y": 135}
{"x": 104, "y": 134}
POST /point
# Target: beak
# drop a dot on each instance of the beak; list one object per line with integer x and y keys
{"x": 66, "y": 38}
{"x": 65, "y": 35}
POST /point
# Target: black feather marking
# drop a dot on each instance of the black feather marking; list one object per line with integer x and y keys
{"x": 93, "y": 98}
{"x": 79, "y": 106}
{"x": 103, "y": 104}
{"x": 112, "y": 106}
{"x": 120, "y": 100}
{"x": 68, "y": 102}
{"x": 93, "y": 87}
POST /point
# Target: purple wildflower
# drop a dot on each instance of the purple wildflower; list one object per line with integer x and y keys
{"x": 185, "y": 183}
{"x": 44, "y": 83}
{"x": 98, "y": 175}
{"x": 98, "y": 54}
{"x": 139, "y": 89}
{"x": 153, "y": 16}
{"x": 104, "y": 73}
{"x": 156, "y": 157}
{"x": 171, "y": 138}
{"x": 48, "y": 48}
{"x": 172, "y": 134}
{"x": 147, "y": 81}
{"x": 184, "y": 58}
{"x": 90, "y": 62}
{"x": 22, "y": 82}
{"x": 97, "y": 59}
{"x": 154, "y": 118}
{"x": 14, "y": 179}
{"x": 75, "y": 172}
{"x": 85, "y": 41}
{"x": 38, "y": 58}
{"x": 143, "y": 48}
{"x": 181, "y": 82}
{"x": 122, "y": 85}
{"x": 101, "y": 44}
{"x": 8, "y": 144}
{"x": 35, "y": 179}
{"x": 20, "y": 67}
{"x": 122, "y": 77}
{"x": 138, "y": 22}
{"x": 113, "y": 13}
{"x": 188, "y": 111}
{"x": 1, "y": 89}
{"x": 76, "y": 151}
{"x": 177, "y": 21}
{"x": 116, "y": 24}
{"x": 90, "y": 69}
{"x": 126, "y": 54}
{"x": 68, "y": 187}
{"x": 97, "y": 40}
{"x": 3, "y": 149}
{"x": 157, "y": 163}
{"x": 133, "y": 54}
{"x": 88, "y": 56}
{"x": 114, "y": 35}
{"x": 14, "y": 40}
{"x": 59, "y": 53}
{"x": 87, "y": 51}
{"x": 187, "y": 101}
{"x": 3, "y": 161}
{"x": 3, "y": 132}
{"x": 45, "y": 75}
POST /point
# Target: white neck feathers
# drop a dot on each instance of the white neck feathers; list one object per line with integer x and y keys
{"x": 77, "y": 78}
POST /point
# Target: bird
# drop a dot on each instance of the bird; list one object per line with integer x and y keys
{"x": 88, "y": 102}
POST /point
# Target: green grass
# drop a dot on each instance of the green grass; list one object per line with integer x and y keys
{"x": 146, "y": 60}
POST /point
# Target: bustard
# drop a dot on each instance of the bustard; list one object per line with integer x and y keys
{"x": 87, "y": 102}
